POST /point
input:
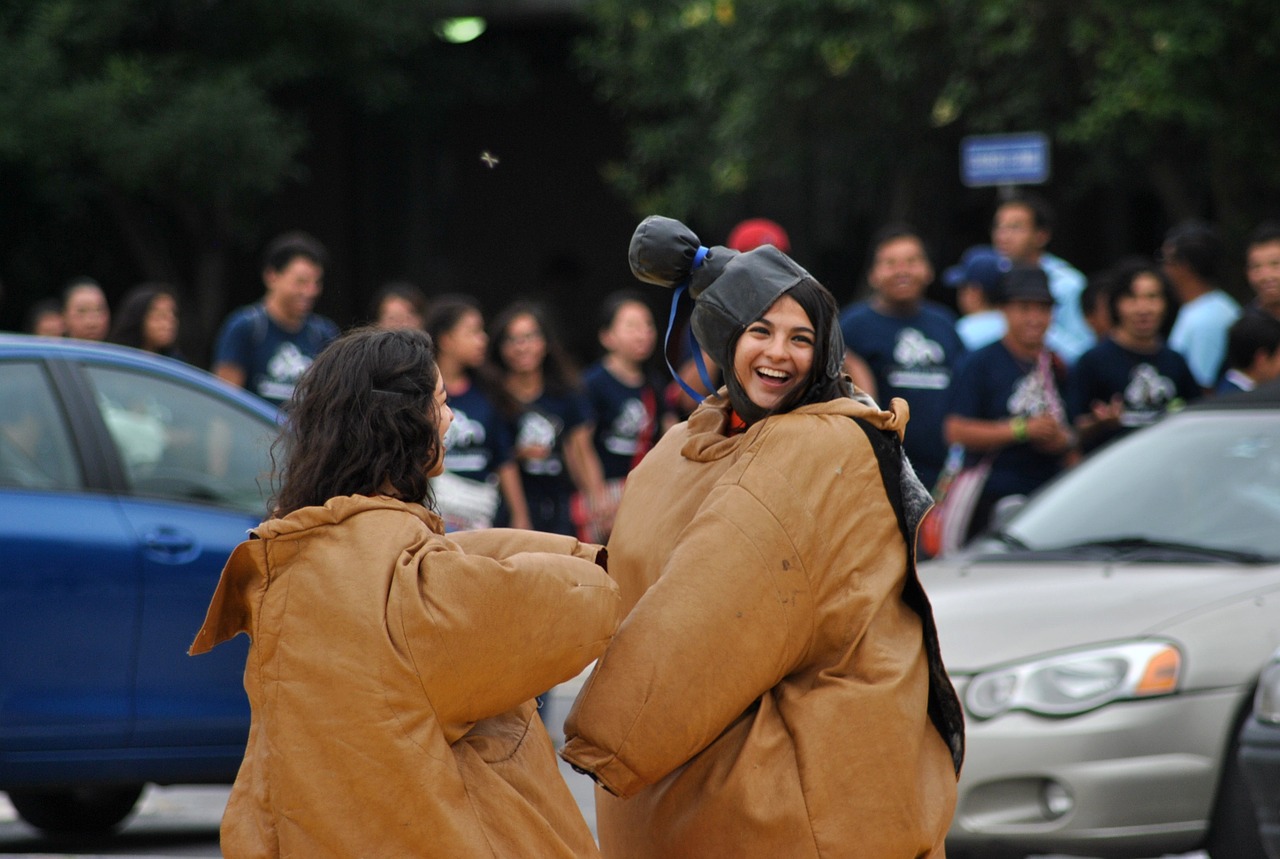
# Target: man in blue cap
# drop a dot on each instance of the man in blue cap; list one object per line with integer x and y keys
{"x": 975, "y": 279}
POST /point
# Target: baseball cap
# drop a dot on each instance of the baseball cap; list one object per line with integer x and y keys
{"x": 754, "y": 232}
{"x": 981, "y": 264}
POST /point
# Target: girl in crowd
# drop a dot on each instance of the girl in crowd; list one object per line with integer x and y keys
{"x": 1131, "y": 378}
{"x": 624, "y": 402}
{"x": 776, "y": 689}
{"x": 148, "y": 319}
{"x": 552, "y": 424}
{"x": 481, "y": 480}
{"x": 45, "y": 318}
{"x": 389, "y": 676}
{"x": 84, "y": 309}
{"x": 399, "y": 304}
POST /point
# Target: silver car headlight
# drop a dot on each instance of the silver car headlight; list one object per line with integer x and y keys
{"x": 1067, "y": 684}
{"x": 1266, "y": 703}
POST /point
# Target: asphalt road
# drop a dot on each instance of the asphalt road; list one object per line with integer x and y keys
{"x": 183, "y": 821}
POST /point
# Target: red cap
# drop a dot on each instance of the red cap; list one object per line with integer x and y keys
{"x": 754, "y": 232}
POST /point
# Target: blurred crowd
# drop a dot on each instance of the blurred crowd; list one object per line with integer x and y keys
{"x": 1036, "y": 366}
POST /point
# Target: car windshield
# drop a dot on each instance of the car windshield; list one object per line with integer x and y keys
{"x": 1201, "y": 482}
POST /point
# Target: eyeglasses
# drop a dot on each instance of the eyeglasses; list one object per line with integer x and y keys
{"x": 521, "y": 339}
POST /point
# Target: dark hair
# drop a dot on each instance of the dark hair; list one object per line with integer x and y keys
{"x": 892, "y": 232}
{"x": 1121, "y": 286}
{"x": 818, "y": 387}
{"x": 287, "y": 247}
{"x": 1097, "y": 287}
{"x": 1197, "y": 244}
{"x": 77, "y": 283}
{"x": 40, "y": 308}
{"x": 559, "y": 374}
{"x": 615, "y": 301}
{"x": 1264, "y": 233}
{"x": 363, "y": 420}
{"x": 401, "y": 289}
{"x": 128, "y": 322}
{"x": 445, "y": 312}
{"x": 1042, "y": 214}
{"x": 1251, "y": 333}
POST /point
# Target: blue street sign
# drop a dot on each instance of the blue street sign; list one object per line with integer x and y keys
{"x": 1004, "y": 159}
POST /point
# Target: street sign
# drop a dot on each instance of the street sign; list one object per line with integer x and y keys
{"x": 1004, "y": 159}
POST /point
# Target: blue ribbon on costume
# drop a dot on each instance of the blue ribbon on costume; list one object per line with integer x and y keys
{"x": 693, "y": 341}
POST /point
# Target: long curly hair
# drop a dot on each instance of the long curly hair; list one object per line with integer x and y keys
{"x": 363, "y": 421}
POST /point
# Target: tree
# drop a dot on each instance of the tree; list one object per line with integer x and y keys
{"x": 851, "y": 111}
{"x": 180, "y": 118}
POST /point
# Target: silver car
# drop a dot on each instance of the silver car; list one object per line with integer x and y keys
{"x": 1106, "y": 641}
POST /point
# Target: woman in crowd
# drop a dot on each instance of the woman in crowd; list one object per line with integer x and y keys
{"x": 1131, "y": 378}
{"x": 481, "y": 480}
{"x": 147, "y": 319}
{"x": 551, "y": 419}
{"x": 84, "y": 309}
{"x": 624, "y": 400}
{"x": 399, "y": 304}
{"x": 389, "y": 676}
{"x": 776, "y": 689}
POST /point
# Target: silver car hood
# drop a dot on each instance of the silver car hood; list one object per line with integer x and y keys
{"x": 990, "y": 613}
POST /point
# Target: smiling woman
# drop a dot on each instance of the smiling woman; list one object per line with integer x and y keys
{"x": 777, "y": 681}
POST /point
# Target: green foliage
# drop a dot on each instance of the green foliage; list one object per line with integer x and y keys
{"x": 724, "y": 98}
{"x": 188, "y": 99}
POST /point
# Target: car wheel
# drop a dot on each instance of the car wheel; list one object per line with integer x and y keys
{"x": 76, "y": 810}
{"x": 1233, "y": 829}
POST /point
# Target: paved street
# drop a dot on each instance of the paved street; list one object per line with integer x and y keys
{"x": 183, "y": 821}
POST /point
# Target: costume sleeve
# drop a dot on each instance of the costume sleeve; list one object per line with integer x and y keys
{"x": 485, "y": 635}
{"x": 730, "y": 616}
{"x": 501, "y": 543}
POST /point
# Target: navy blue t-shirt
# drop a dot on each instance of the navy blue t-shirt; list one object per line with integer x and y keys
{"x": 547, "y": 485}
{"x": 478, "y": 440}
{"x": 272, "y": 358}
{"x": 993, "y": 385}
{"x": 913, "y": 357}
{"x": 623, "y": 422}
{"x": 1150, "y": 383}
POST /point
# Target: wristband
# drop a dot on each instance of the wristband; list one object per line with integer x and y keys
{"x": 1018, "y": 425}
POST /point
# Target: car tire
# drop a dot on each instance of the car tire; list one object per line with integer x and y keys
{"x": 1233, "y": 829}
{"x": 77, "y": 810}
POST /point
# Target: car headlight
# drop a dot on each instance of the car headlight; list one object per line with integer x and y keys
{"x": 1266, "y": 703}
{"x": 1070, "y": 683}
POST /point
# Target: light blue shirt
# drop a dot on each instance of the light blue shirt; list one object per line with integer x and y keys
{"x": 1200, "y": 334}
{"x": 981, "y": 329}
{"x": 1069, "y": 335}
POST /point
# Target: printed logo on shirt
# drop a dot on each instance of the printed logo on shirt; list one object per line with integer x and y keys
{"x": 283, "y": 372}
{"x": 921, "y": 362}
{"x": 464, "y": 444}
{"x": 1031, "y": 397}
{"x": 1147, "y": 396}
{"x": 623, "y": 436}
{"x": 540, "y": 431}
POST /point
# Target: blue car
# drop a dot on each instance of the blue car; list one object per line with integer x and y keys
{"x": 125, "y": 481}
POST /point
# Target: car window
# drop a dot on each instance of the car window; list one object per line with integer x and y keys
{"x": 35, "y": 450}
{"x": 1208, "y": 479}
{"x": 177, "y": 441}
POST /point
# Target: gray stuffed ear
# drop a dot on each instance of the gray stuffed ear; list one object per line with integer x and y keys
{"x": 663, "y": 252}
